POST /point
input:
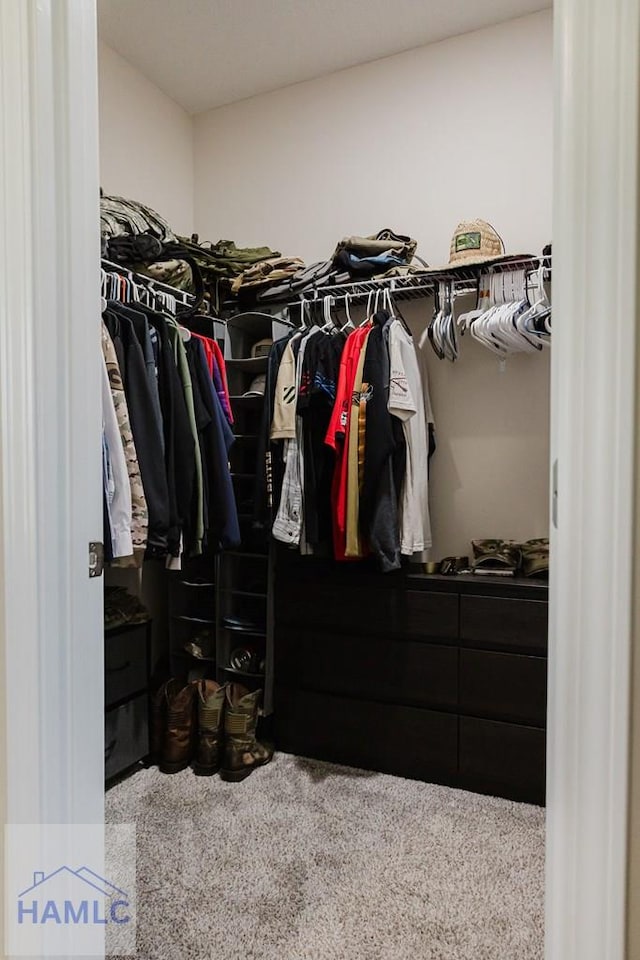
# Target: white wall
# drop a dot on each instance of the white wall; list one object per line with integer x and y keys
{"x": 146, "y": 142}
{"x": 415, "y": 142}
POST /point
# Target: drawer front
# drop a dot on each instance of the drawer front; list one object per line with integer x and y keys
{"x": 430, "y": 615}
{"x": 125, "y": 663}
{"x": 519, "y": 625}
{"x": 383, "y": 612}
{"x": 503, "y": 686}
{"x": 502, "y": 759}
{"x": 405, "y": 741}
{"x": 126, "y": 735}
{"x": 398, "y": 671}
{"x": 347, "y": 609}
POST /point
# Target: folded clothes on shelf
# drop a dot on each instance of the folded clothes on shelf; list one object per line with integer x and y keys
{"x": 122, "y": 608}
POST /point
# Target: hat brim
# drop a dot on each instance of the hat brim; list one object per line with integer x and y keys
{"x": 479, "y": 262}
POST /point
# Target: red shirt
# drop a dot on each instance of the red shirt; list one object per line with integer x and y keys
{"x": 337, "y": 432}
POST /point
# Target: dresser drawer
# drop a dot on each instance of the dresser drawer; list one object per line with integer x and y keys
{"x": 125, "y": 662}
{"x": 379, "y": 612}
{"x": 397, "y": 671}
{"x": 503, "y": 759}
{"x": 429, "y": 615}
{"x": 519, "y": 625}
{"x": 347, "y": 608}
{"x": 126, "y": 735}
{"x": 503, "y": 686}
{"x": 406, "y": 741}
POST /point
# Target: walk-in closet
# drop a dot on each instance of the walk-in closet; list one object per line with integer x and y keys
{"x": 327, "y": 321}
{"x": 319, "y": 495}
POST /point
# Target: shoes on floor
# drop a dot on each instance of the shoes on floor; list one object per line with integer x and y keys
{"x": 210, "y": 700}
{"x": 207, "y": 725}
{"x": 174, "y": 725}
{"x": 243, "y": 753}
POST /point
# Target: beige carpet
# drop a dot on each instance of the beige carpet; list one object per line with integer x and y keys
{"x": 308, "y": 861}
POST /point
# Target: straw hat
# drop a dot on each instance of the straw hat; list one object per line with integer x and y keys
{"x": 474, "y": 242}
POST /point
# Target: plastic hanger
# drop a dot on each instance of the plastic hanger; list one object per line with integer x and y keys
{"x": 349, "y": 325}
{"x": 326, "y": 311}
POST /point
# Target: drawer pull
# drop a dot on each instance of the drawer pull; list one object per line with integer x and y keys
{"x": 108, "y": 750}
{"x": 120, "y": 669}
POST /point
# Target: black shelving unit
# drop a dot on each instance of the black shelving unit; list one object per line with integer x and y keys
{"x": 245, "y": 576}
{"x": 192, "y": 618}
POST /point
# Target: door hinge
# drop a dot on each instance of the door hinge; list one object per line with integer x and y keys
{"x": 96, "y": 558}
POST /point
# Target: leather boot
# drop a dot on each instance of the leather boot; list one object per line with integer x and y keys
{"x": 242, "y": 752}
{"x": 210, "y": 700}
{"x": 178, "y": 744}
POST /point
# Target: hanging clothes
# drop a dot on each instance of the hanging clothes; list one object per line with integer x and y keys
{"x": 143, "y": 415}
{"x": 407, "y": 403}
{"x": 116, "y": 477}
{"x": 270, "y": 470}
{"x": 195, "y": 524}
{"x": 139, "y": 512}
{"x": 338, "y": 432}
{"x": 223, "y": 529}
{"x": 315, "y": 401}
{"x": 378, "y": 501}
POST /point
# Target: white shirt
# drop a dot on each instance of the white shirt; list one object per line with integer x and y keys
{"x": 407, "y": 402}
{"x": 119, "y": 499}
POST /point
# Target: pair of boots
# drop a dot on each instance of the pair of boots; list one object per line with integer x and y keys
{"x": 214, "y": 726}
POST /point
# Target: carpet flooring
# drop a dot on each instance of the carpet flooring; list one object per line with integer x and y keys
{"x": 310, "y": 861}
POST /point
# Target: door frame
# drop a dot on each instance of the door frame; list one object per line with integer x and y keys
{"x": 50, "y": 612}
{"x": 50, "y": 415}
{"x": 593, "y": 395}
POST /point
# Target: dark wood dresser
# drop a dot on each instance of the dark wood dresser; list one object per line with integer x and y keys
{"x": 434, "y": 678}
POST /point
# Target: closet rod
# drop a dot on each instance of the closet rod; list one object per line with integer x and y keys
{"x": 416, "y": 286}
{"x": 142, "y": 279}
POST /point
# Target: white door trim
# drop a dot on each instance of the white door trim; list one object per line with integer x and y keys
{"x": 593, "y": 427}
{"x": 50, "y": 418}
{"x": 49, "y": 425}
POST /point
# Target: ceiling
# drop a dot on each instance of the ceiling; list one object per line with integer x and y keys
{"x": 206, "y": 53}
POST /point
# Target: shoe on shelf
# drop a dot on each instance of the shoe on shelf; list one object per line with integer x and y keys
{"x": 496, "y": 556}
{"x": 176, "y": 709}
{"x": 243, "y": 753}
{"x": 535, "y": 558}
{"x": 210, "y": 701}
{"x": 242, "y": 625}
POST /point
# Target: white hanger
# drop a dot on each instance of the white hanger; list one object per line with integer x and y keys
{"x": 326, "y": 311}
{"x": 349, "y": 325}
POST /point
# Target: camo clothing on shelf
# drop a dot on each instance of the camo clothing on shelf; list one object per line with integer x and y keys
{"x": 139, "y": 512}
{"x": 267, "y": 272}
{"x": 120, "y": 217}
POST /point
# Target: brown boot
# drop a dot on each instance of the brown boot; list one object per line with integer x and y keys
{"x": 178, "y": 744}
{"x": 210, "y": 700}
{"x": 242, "y": 752}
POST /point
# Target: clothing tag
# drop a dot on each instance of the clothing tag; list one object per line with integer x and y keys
{"x": 502, "y": 365}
